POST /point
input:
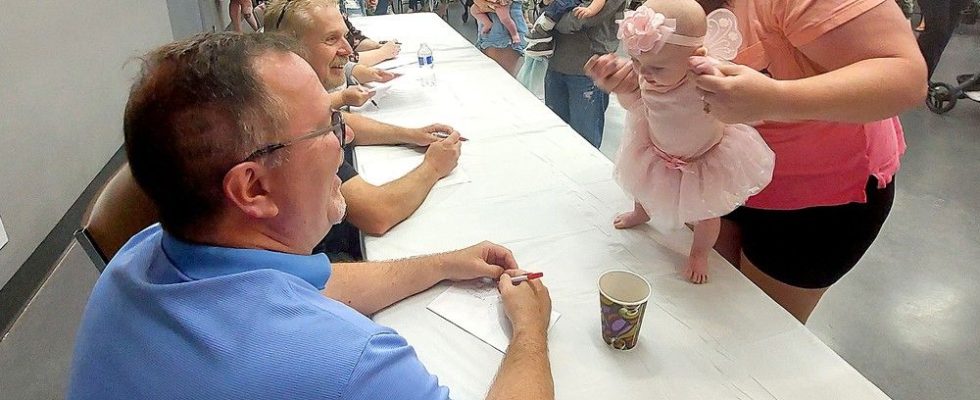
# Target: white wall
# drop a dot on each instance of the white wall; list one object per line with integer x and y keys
{"x": 64, "y": 80}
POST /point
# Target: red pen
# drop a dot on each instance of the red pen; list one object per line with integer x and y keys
{"x": 526, "y": 277}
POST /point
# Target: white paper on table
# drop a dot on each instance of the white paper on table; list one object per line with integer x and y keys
{"x": 379, "y": 89}
{"x": 402, "y": 60}
{"x": 3, "y": 235}
{"x": 474, "y": 306}
{"x": 381, "y": 172}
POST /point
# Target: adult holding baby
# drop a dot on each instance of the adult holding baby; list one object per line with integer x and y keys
{"x": 826, "y": 79}
{"x": 496, "y": 41}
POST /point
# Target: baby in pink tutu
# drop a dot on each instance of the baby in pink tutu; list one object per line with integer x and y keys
{"x": 679, "y": 163}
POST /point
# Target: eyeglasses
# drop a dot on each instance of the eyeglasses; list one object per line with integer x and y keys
{"x": 282, "y": 14}
{"x": 337, "y": 127}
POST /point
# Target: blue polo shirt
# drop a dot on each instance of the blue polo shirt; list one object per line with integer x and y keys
{"x": 173, "y": 320}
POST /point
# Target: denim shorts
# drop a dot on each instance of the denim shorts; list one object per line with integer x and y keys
{"x": 498, "y": 37}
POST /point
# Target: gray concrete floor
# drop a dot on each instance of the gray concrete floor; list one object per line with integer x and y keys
{"x": 908, "y": 316}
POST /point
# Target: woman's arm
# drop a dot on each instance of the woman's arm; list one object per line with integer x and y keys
{"x": 873, "y": 70}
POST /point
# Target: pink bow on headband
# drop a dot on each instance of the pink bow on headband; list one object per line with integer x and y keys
{"x": 645, "y": 30}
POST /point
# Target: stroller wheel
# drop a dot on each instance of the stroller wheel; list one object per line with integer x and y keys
{"x": 940, "y": 98}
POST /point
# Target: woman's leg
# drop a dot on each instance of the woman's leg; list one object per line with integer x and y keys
{"x": 508, "y": 58}
{"x": 798, "y": 301}
{"x": 941, "y": 18}
{"x": 729, "y": 243}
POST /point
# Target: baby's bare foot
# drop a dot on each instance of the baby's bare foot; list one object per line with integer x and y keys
{"x": 630, "y": 219}
{"x": 697, "y": 269}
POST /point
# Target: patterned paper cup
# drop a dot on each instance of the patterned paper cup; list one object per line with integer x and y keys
{"x": 623, "y": 299}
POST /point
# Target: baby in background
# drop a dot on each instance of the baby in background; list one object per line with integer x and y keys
{"x": 539, "y": 40}
{"x": 502, "y": 10}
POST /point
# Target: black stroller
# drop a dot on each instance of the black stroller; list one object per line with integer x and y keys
{"x": 942, "y": 96}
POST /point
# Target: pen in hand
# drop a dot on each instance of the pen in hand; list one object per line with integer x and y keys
{"x": 358, "y": 84}
{"x": 443, "y": 135}
{"x": 516, "y": 280}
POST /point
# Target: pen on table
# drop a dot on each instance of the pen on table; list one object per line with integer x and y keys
{"x": 443, "y": 135}
{"x": 358, "y": 84}
{"x": 526, "y": 277}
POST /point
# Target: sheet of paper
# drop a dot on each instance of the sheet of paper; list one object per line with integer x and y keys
{"x": 402, "y": 60}
{"x": 3, "y": 235}
{"x": 379, "y": 89}
{"x": 474, "y": 306}
{"x": 383, "y": 171}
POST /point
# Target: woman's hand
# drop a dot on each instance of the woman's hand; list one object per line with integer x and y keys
{"x": 740, "y": 94}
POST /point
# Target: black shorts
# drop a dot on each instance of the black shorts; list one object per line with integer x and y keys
{"x": 813, "y": 247}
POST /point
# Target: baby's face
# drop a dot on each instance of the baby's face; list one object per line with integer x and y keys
{"x": 666, "y": 67}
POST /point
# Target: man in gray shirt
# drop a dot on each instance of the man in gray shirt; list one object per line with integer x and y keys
{"x": 568, "y": 91}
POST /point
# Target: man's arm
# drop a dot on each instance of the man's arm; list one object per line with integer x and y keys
{"x": 385, "y": 52}
{"x": 369, "y": 131}
{"x": 354, "y": 96}
{"x": 570, "y": 23}
{"x": 376, "y": 209}
{"x": 369, "y": 287}
{"x": 525, "y": 372}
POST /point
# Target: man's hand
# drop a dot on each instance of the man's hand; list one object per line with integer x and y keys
{"x": 527, "y": 305}
{"x": 389, "y": 50}
{"x": 583, "y": 12}
{"x": 612, "y": 74}
{"x": 365, "y": 74}
{"x": 380, "y": 75}
{"x": 483, "y": 260}
{"x": 356, "y": 96}
{"x": 426, "y": 135}
{"x": 443, "y": 155}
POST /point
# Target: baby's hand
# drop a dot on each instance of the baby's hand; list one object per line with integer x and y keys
{"x": 583, "y": 12}
{"x": 703, "y": 65}
{"x": 612, "y": 74}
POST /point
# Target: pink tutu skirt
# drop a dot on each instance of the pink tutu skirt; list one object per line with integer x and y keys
{"x": 675, "y": 191}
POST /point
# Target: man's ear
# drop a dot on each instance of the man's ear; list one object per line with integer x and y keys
{"x": 246, "y": 186}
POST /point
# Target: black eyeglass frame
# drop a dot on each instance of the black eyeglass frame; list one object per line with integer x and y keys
{"x": 337, "y": 127}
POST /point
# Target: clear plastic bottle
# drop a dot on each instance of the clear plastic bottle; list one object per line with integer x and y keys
{"x": 427, "y": 75}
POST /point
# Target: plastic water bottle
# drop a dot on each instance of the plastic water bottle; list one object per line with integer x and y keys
{"x": 428, "y": 73}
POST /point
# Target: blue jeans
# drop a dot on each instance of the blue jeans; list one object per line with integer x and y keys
{"x": 559, "y": 8}
{"x": 577, "y": 100}
{"x": 498, "y": 37}
{"x": 382, "y": 7}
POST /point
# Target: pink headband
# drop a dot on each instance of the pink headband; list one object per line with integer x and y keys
{"x": 646, "y": 30}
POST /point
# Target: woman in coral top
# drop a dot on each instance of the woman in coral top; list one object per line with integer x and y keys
{"x": 827, "y": 79}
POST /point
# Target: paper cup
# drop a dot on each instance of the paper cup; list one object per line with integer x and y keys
{"x": 623, "y": 299}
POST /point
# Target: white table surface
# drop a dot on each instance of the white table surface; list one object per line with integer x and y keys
{"x": 545, "y": 193}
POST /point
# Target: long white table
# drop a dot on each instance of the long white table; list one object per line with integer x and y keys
{"x": 542, "y": 191}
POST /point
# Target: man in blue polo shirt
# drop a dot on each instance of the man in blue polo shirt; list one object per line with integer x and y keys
{"x": 233, "y": 139}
